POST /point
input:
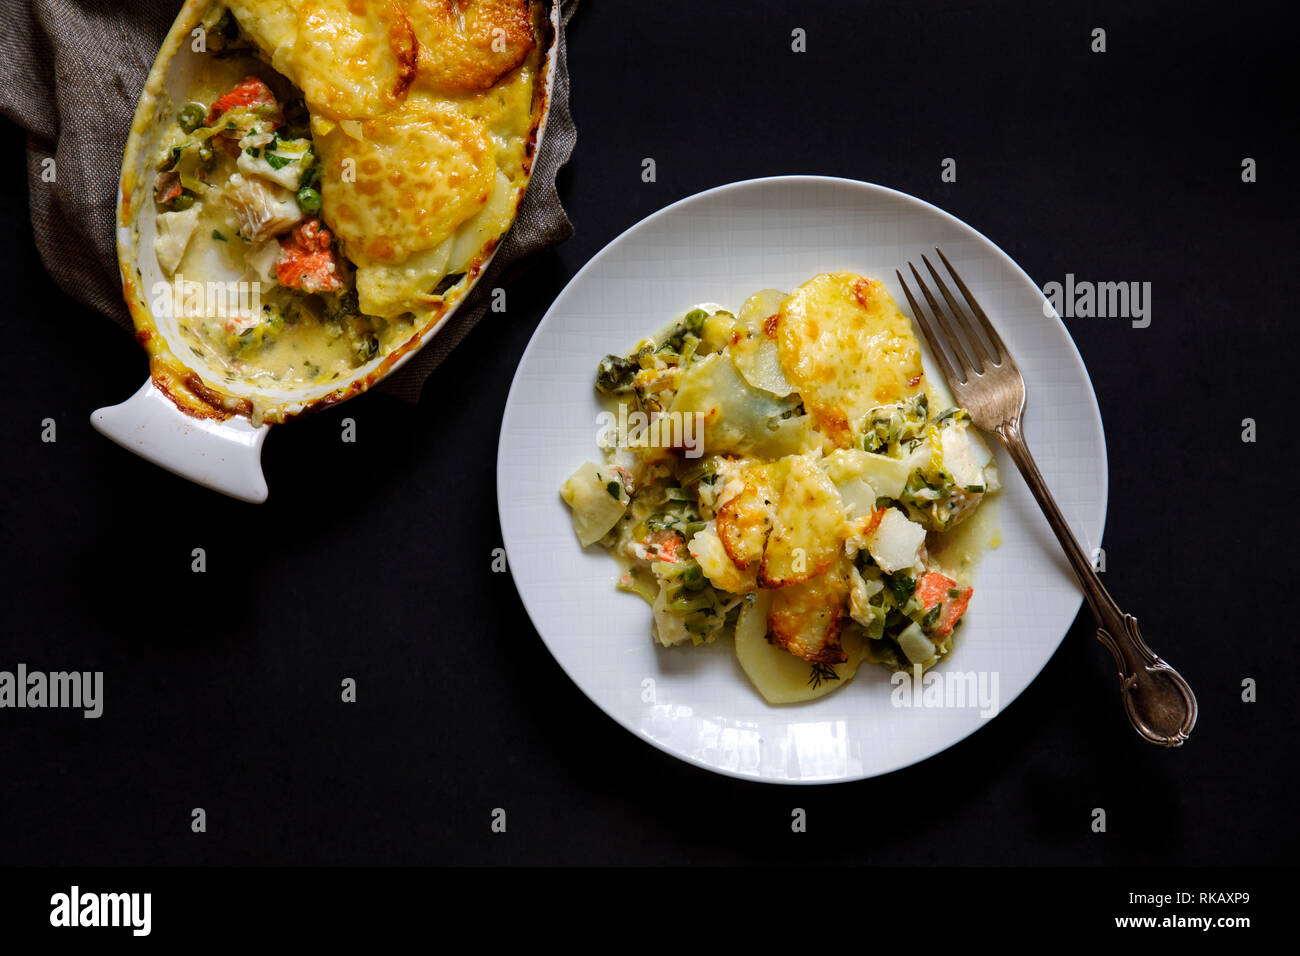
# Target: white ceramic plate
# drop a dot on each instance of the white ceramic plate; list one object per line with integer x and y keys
{"x": 695, "y": 703}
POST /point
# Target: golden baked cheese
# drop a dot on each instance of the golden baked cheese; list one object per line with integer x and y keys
{"x": 466, "y": 47}
{"x": 422, "y": 112}
{"x": 847, "y": 348}
{"x": 341, "y": 48}
{"x": 806, "y": 618}
{"x": 745, "y": 519}
{"x": 807, "y": 526}
{"x": 403, "y": 182}
{"x": 353, "y": 59}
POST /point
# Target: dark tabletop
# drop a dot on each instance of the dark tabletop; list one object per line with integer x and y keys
{"x": 372, "y": 560}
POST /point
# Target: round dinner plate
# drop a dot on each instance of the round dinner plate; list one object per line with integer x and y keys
{"x": 695, "y": 702}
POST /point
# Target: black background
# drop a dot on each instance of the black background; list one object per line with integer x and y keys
{"x": 372, "y": 560}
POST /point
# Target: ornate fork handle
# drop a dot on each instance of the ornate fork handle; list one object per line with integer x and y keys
{"x": 1159, "y": 703}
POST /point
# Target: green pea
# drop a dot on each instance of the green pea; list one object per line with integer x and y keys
{"x": 308, "y": 200}
{"x": 182, "y": 202}
{"x": 191, "y": 117}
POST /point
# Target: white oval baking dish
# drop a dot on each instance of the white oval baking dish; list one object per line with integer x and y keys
{"x": 187, "y": 418}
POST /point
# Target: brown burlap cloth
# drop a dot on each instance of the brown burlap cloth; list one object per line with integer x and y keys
{"x": 70, "y": 74}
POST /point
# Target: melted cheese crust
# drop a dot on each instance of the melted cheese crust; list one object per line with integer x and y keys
{"x": 405, "y": 183}
{"x": 422, "y": 111}
{"x": 846, "y": 348}
{"x": 806, "y": 618}
{"x": 470, "y": 46}
{"x": 808, "y": 526}
{"x": 353, "y": 59}
{"x": 745, "y": 520}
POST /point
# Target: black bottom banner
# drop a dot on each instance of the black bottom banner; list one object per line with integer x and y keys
{"x": 93, "y": 906}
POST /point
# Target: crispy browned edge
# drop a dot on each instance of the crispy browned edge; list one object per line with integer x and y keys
{"x": 829, "y": 651}
{"x": 183, "y": 385}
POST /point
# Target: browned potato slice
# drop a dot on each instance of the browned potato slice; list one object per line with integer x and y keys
{"x": 779, "y": 676}
{"x": 744, "y": 523}
{"x": 806, "y": 618}
{"x": 846, "y": 347}
{"x": 374, "y": 202}
{"x": 352, "y": 60}
{"x": 467, "y": 45}
{"x": 706, "y": 548}
{"x": 807, "y": 526}
{"x": 745, "y": 520}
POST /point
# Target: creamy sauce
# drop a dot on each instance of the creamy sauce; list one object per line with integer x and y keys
{"x": 255, "y": 330}
{"x": 959, "y": 550}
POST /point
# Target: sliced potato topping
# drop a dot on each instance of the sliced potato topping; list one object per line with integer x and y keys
{"x": 806, "y": 618}
{"x": 597, "y": 499}
{"x": 706, "y": 548}
{"x": 467, "y": 45}
{"x": 387, "y": 207}
{"x": 846, "y": 348}
{"x": 353, "y": 60}
{"x": 779, "y": 676}
{"x": 807, "y": 528}
{"x": 745, "y": 520}
{"x": 753, "y": 343}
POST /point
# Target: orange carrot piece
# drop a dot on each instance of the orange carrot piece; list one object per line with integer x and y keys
{"x": 249, "y": 91}
{"x": 933, "y": 589}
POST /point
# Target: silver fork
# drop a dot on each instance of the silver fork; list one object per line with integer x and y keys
{"x": 985, "y": 381}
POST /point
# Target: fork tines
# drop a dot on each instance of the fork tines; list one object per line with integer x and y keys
{"x": 956, "y": 329}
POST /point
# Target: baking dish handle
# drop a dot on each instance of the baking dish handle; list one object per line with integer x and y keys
{"x": 225, "y": 456}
